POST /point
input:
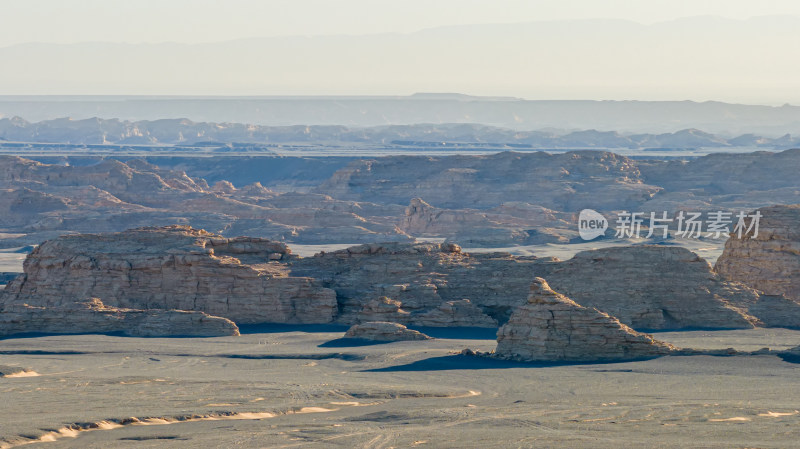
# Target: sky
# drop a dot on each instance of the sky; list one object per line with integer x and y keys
{"x": 194, "y": 21}
{"x": 736, "y": 50}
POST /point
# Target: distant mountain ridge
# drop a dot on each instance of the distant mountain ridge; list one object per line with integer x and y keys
{"x": 184, "y": 131}
{"x": 362, "y": 111}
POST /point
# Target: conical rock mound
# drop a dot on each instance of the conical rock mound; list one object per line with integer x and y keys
{"x": 554, "y": 328}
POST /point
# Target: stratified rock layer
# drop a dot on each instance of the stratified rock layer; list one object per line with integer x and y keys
{"x": 383, "y": 331}
{"x": 769, "y": 261}
{"x": 459, "y": 313}
{"x": 95, "y": 317}
{"x": 553, "y": 328}
{"x": 253, "y": 280}
{"x": 172, "y": 268}
{"x": 421, "y": 279}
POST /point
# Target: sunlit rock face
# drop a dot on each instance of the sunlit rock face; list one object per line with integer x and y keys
{"x": 652, "y": 287}
{"x": 173, "y": 268}
{"x": 769, "y": 261}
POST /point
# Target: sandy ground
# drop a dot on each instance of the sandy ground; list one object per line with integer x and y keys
{"x": 709, "y": 249}
{"x": 11, "y": 260}
{"x": 300, "y": 387}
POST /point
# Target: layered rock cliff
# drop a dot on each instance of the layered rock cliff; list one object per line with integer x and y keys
{"x": 423, "y": 283}
{"x": 652, "y": 287}
{"x": 646, "y": 287}
{"x": 769, "y": 261}
{"x": 173, "y": 268}
{"x": 253, "y": 280}
{"x": 93, "y": 316}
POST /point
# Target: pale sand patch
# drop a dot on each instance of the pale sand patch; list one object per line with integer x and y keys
{"x": 779, "y": 414}
{"x": 356, "y": 403}
{"x": 733, "y": 419}
{"x": 314, "y": 410}
{"x": 76, "y": 430}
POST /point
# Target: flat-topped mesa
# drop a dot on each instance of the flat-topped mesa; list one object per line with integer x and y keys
{"x": 653, "y": 287}
{"x": 553, "y": 328}
{"x": 173, "y": 268}
{"x": 769, "y": 261}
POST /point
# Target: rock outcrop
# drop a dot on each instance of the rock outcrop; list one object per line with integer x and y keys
{"x": 41, "y": 200}
{"x": 646, "y": 287}
{"x": 95, "y": 317}
{"x": 383, "y": 309}
{"x": 383, "y": 331}
{"x": 565, "y": 182}
{"x": 510, "y": 223}
{"x": 421, "y": 279}
{"x": 172, "y": 268}
{"x": 553, "y": 328}
{"x": 16, "y": 371}
{"x": 253, "y": 280}
{"x": 769, "y": 261}
{"x": 476, "y": 201}
{"x": 652, "y": 287}
{"x": 458, "y": 313}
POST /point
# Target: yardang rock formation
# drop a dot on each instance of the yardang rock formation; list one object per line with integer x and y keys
{"x": 553, "y": 328}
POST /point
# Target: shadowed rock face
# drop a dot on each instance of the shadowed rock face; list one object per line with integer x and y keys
{"x": 770, "y": 261}
{"x": 384, "y": 331}
{"x": 173, "y": 268}
{"x": 553, "y": 328}
{"x": 95, "y": 317}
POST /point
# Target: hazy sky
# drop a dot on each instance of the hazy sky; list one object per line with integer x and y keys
{"x": 191, "y": 21}
{"x": 749, "y": 56}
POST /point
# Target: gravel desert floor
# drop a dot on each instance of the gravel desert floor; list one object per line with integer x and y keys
{"x": 302, "y": 386}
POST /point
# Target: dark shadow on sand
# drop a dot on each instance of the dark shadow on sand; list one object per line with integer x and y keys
{"x": 469, "y": 362}
{"x": 444, "y": 333}
{"x": 270, "y": 328}
{"x": 452, "y": 362}
{"x": 458, "y": 333}
{"x": 326, "y": 356}
{"x": 351, "y": 343}
{"x": 791, "y": 358}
